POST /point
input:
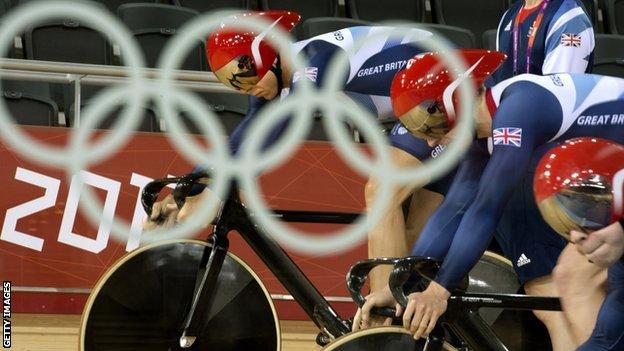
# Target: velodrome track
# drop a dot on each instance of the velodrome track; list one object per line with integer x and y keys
{"x": 56, "y": 332}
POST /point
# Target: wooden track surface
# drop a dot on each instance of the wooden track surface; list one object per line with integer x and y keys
{"x": 54, "y": 332}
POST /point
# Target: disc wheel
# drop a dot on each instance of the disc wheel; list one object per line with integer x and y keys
{"x": 377, "y": 339}
{"x": 496, "y": 275}
{"x": 141, "y": 302}
{"x": 393, "y": 338}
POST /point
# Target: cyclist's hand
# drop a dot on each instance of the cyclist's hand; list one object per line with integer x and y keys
{"x": 364, "y": 319}
{"x": 165, "y": 209}
{"x": 192, "y": 203}
{"x": 424, "y": 309}
{"x": 603, "y": 247}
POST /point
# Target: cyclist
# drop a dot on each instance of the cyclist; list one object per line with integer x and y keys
{"x": 520, "y": 116}
{"x": 368, "y": 82}
{"x": 406, "y": 150}
{"x": 578, "y": 188}
{"x": 539, "y": 27}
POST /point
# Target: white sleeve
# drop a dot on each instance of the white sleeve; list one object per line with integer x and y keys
{"x": 569, "y": 43}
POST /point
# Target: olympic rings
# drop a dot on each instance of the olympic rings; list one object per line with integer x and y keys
{"x": 253, "y": 159}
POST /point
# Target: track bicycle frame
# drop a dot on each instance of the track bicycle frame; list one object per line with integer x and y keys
{"x": 234, "y": 217}
{"x": 461, "y": 318}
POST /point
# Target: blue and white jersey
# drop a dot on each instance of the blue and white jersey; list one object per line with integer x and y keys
{"x": 368, "y": 79}
{"x": 584, "y": 103}
{"x": 530, "y": 114}
{"x": 371, "y": 67}
{"x": 564, "y": 41}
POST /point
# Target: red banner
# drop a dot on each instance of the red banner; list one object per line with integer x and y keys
{"x": 46, "y": 242}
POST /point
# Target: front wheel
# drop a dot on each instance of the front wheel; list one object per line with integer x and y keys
{"x": 141, "y": 302}
{"x": 393, "y": 338}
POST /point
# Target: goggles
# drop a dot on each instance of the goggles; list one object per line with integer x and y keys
{"x": 240, "y": 73}
{"x": 586, "y": 205}
{"x": 426, "y": 120}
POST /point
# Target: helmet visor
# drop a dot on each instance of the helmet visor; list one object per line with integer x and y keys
{"x": 426, "y": 120}
{"x": 585, "y": 206}
{"x": 240, "y": 73}
{"x": 590, "y": 211}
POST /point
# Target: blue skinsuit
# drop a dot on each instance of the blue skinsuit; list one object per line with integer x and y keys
{"x": 532, "y": 113}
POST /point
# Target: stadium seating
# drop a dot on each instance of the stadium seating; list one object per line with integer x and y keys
{"x": 30, "y": 103}
{"x": 229, "y": 117}
{"x": 318, "y": 133}
{"x": 307, "y": 9}
{"x": 205, "y": 5}
{"x": 67, "y": 41}
{"x": 113, "y": 5}
{"x": 475, "y": 15}
{"x": 609, "y": 46}
{"x": 321, "y": 25}
{"x": 149, "y": 122}
{"x": 375, "y": 10}
{"x": 614, "y": 16}
{"x": 5, "y": 6}
{"x": 460, "y": 37}
{"x": 591, "y": 8}
{"x": 609, "y": 55}
{"x": 235, "y": 101}
{"x": 614, "y": 67}
{"x": 230, "y": 107}
{"x": 87, "y": 92}
{"x": 153, "y": 25}
{"x": 489, "y": 39}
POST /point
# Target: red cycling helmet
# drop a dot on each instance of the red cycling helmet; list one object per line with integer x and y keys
{"x": 423, "y": 94}
{"x": 241, "y": 57}
{"x": 578, "y": 185}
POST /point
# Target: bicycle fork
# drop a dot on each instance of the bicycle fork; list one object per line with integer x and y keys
{"x": 205, "y": 286}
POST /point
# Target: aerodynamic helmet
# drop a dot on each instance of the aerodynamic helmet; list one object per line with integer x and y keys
{"x": 239, "y": 57}
{"x": 423, "y": 94}
{"x": 578, "y": 185}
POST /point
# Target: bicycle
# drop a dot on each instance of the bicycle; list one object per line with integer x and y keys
{"x": 460, "y": 327}
{"x": 195, "y": 295}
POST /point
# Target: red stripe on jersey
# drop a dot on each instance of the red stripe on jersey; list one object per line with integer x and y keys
{"x": 489, "y": 101}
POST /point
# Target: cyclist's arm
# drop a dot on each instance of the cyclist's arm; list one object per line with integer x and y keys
{"x": 475, "y": 231}
{"x": 237, "y": 137}
{"x": 524, "y": 126}
{"x": 437, "y": 235}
